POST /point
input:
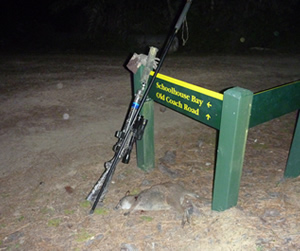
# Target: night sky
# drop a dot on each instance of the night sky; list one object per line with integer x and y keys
{"x": 213, "y": 25}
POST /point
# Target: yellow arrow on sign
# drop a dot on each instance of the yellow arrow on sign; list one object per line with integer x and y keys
{"x": 209, "y": 105}
{"x": 208, "y": 117}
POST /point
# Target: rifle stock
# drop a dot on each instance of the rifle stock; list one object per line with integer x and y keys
{"x": 135, "y": 123}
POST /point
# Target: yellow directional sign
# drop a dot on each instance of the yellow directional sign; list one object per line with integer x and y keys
{"x": 194, "y": 101}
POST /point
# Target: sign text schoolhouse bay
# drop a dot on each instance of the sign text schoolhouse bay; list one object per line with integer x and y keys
{"x": 193, "y": 101}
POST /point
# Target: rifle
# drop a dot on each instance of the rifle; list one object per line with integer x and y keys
{"x": 135, "y": 123}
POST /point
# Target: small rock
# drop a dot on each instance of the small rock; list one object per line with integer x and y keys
{"x": 159, "y": 227}
{"x": 149, "y": 236}
{"x": 121, "y": 177}
{"x": 200, "y": 143}
{"x": 89, "y": 242}
{"x": 128, "y": 247}
{"x": 261, "y": 241}
{"x": 247, "y": 172}
{"x": 170, "y": 157}
{"x": 14, "y": 236}
{"x": 162, "y": 108}
{"x": 271, "y": 213}
{"x": 274, "y": 194}
{"x": 66, "y": 116}
{"x": 59, "y": 86}
{"x": 146, "y": 182}
{"x": 197, "y": 237}
{"x": 166, "y": 170}
{"x": 99, "y": 237}
{"x": 287, "y": 240}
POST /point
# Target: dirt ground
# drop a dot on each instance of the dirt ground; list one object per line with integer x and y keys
{"x": 59, "y": 114}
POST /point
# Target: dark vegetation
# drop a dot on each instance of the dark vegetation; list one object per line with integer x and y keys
{"x": 213, "y": 25}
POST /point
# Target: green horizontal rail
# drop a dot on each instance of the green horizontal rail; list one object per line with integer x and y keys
{"x": 275, "y": 102}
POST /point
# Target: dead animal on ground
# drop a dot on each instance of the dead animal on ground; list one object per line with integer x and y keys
{"x": 166, "y": 196}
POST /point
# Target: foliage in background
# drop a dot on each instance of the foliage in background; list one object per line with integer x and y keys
{"x": 245, "y": 24}
{"x": 214, "y": 25}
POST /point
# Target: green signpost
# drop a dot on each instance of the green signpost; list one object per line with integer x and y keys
{"x": 145, "y": 147}
{"x": 232, "y": 113}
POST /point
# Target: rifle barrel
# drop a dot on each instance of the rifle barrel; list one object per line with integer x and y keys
{"x": 137, "y": 110}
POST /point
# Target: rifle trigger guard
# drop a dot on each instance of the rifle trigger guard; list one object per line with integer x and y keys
{"x": 141, "y": 125}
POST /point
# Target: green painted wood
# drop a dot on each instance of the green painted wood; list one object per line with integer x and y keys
{"x": 193, "y": 101}
{"x": 293, "y": 164}
{"x": 275, "y": 102}
{"x": 145, "y": 146}
{"x": 231, "y": 147}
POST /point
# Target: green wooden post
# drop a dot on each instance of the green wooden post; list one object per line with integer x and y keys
{"x": 231, "y": 147}
{"x": 293, "y": 164}
{"x": 145, "y": 146}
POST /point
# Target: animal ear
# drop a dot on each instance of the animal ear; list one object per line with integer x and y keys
{"x": 127, "y": 193}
